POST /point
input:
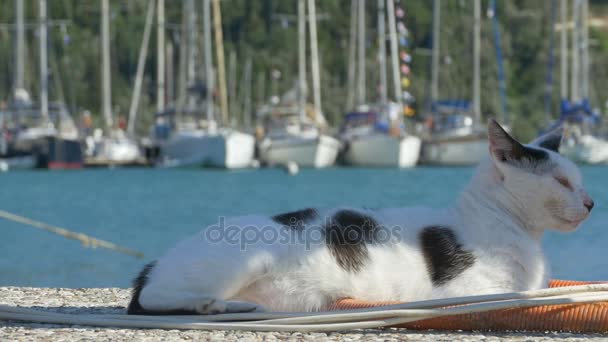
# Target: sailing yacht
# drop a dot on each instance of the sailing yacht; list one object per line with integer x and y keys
{"x": 194, "y": 142}
{"x": 585, "y": 138}
{"x": 42, "y": 135}
{"x": 374, "y": 135}
{"x": 370, "y": 141}
{"x": 191, "y": 145}
{"x": 115, "y": 147}
{"x": 455, "y": 137}
{"x": 294, "y": 131}
{"x": 455, "y": 133}
{"x": 292, "y": 138}
{"x": 33, "y": 140}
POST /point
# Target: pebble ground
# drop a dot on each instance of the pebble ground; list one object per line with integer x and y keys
{"x": 113, "y": 301}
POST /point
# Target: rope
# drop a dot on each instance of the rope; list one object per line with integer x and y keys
{"x": 87, "y": 241}
{"x": 328, "y": 321}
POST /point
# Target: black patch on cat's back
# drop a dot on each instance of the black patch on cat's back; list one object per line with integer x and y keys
{"x": 296, "y": 219}
{"x": 445, "y": 258}
{"x": 139, "y": 283}
{"x": 347, "y": 235}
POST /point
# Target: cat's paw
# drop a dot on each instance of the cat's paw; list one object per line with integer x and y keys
{"x": 214, "y": 306}
{"x": 237, "y": 306}
{"x": 210, "y": 306}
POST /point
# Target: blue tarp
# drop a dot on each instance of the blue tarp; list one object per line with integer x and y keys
{"x": 578, "y": 112}
{"x": 574, "y": 112}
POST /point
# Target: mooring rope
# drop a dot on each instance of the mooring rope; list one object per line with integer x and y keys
{"x": 87, "y": 241}
{"x": 325, "y": 321}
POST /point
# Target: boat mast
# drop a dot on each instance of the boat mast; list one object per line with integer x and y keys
{"x": 382, "y": 51}
{"x": 139, "y": 75}
{"x": 221, "y": 69}
{"x": 502, "y": 87}
{"x": 352, "y": 52}
{"x": 183, "y": 67}
{"x": 192, "y": 52}
{"x": 435, "y": 51}
{"x": 105, "y": 64}
{"x": 44, "y": 72}
{"x": 208, "y": 61}
{"x": 302, "y": 59}
{"x": 585, "y": 49}
{"x": 20, "y": 45}
{"x": 361, "y": 72}
{"x": 392, "y": 29}
{"x": 160, "y": 57}
{"x": 232, "y": 104}
{"x": 247, "y": 94}
{"x": 170, "y": 86}
{"x": 476, "y": 60}
{"x": 314, "y": 55}
{"x": 550, "y": 62}
{"x": 575, "y": 52}
{"x": 563, "y": 9}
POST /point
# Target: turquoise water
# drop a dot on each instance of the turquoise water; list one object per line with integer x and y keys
{"x": 150, "y": 210}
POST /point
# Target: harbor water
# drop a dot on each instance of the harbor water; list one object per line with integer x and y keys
{"x": 150, "y": 210}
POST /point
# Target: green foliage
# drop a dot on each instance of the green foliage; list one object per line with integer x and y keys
{"x": 266, "y": 32}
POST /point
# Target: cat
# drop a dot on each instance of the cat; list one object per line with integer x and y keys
{"x": 489, "y": 241}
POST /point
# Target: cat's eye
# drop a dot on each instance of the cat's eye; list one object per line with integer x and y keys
{"x": 564, "y": 182}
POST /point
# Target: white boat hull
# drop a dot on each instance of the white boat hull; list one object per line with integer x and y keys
{"x": 306, "y": 152}
{"x": 381, "y": 150}
{"x": 461, "y": 151}
{"x": 226, "y": 149}
{"x": 17, "y": 163}
{"x": 119, "y": 151}
{"x": 587, "y": 149}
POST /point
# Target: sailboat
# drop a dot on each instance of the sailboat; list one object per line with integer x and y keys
{"x": 43, "y": 135}
{"x": 292, "y": 137}
{"x": 115, "y": 147}
{"x": 294, "y": 132}
{"x": 194, "y": 142}
{"x": 373, "y": 135}
{"x": 456, "y": 135}
{"x": 585, "y": 139}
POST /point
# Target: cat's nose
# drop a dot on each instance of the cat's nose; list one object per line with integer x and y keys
{"x": 588, "y": 203}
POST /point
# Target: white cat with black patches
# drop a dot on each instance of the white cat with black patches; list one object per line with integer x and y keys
{"x": 489, "y": 241}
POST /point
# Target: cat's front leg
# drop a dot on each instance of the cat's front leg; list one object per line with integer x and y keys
{"x": 211, "y": 306}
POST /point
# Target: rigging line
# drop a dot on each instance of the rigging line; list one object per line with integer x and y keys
{"x": 86, "y": 240}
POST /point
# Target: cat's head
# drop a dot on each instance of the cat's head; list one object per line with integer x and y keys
{"x": 545, "y": 185}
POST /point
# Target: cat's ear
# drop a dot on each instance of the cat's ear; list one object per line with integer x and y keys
{"x": 550, "y": 140}
{"x": 506, "y": 149}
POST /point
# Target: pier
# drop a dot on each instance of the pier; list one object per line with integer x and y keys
{"x": 113, "y": 301}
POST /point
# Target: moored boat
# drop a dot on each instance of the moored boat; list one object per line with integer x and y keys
{"x": 291, "y": 137}
{"x": 226, "y": 148}
{"x": 455, "y": 138}
{"x": 369, "y": 141}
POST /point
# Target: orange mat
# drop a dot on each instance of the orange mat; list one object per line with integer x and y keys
{"x": 580, "y": 318}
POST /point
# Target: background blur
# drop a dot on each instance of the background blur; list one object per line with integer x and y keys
{"x": 266, "y": 31}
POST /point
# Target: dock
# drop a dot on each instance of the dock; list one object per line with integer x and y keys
{"x": 114, "y": 300}
{"x": 105, "y": 163}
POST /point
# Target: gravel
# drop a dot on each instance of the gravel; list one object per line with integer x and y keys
{"x": 113, "y": 301}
